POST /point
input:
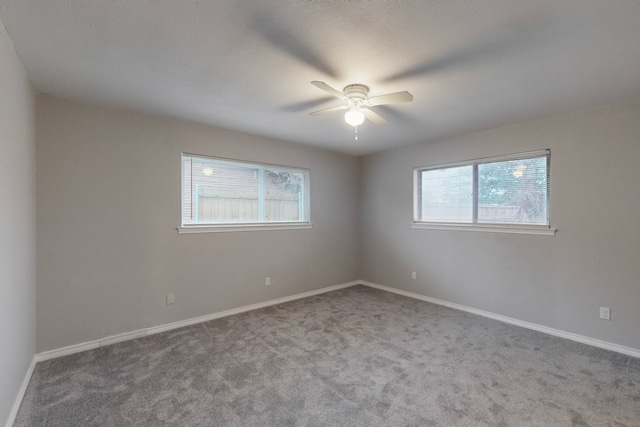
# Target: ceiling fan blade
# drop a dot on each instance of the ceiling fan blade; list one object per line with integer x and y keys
{"x": 329, "y": 110}
{"x": 391, "y": 98}
{"x": 374, "y": 117}
{"x": 329, "y": 89}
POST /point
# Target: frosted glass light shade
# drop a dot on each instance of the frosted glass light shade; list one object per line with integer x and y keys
{"x": 354, "y": 117}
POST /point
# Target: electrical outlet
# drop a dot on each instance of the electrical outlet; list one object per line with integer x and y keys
{"x": 170, "y": 298}
{"x": 413, "y": 275}
{"x": 605, "y": 313}
{"x": 267, "y": 281}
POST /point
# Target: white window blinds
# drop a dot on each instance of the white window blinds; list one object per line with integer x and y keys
{"x": 510, "y": 189}
{"x": 220, "y": 191}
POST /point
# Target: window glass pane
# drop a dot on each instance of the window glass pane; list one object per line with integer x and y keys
{"x": 447, "y": 194}
{"x": 283, "y": 195}
{"x": 513, "y": 191}
{"x": 222, "y": 193}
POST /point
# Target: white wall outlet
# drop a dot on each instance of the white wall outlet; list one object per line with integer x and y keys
{"x": 605, "y": 313}
{"x": 413, "y": 275}
{"x": 267, "y": 281}
{"x": 170, "y": 298}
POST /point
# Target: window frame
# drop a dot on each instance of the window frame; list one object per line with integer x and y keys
{"x": 212, "y": 227}
{"x": 474, "y": 225}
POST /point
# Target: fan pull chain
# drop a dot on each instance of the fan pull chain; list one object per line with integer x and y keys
{"x": 356, "y": 132}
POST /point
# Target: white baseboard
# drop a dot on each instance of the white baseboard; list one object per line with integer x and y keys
{"x": 77, "y": 348}
{"x": 126, "y": 336}
{"x": 21, "y": 392}
{"x": 629, "y": 351}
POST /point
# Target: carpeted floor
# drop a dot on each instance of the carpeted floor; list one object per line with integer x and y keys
{"x": 354, "y": 357}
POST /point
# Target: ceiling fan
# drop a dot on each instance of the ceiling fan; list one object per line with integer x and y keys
{"x": 356, "y": 100}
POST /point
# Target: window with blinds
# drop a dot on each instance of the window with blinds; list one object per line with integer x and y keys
{"x": 506, "y": 190}
{"x": 220, "y": 191}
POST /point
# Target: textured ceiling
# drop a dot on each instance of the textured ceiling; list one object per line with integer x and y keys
{"x": 246, "y": 65}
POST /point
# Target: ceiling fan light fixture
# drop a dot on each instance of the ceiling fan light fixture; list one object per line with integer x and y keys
{"x": 354, "y": 117}
{"x": 356, "y": 99}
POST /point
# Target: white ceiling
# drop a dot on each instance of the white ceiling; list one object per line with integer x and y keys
{"x": 246, "y": 65}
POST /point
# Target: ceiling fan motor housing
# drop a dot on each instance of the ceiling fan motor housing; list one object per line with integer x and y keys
{"x": 357, "y": 93}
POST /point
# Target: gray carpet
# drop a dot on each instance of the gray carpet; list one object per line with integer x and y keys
{"x": 354, "y": 357}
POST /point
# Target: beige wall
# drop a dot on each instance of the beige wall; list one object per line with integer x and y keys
{"x": 17, "y": 216}
{"x": 109, "y": 205}
{"x": 558, "y": 281}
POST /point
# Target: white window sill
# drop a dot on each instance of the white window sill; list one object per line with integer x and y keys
{"x": 491, "y": 228}
{"x": 222, "y": 228}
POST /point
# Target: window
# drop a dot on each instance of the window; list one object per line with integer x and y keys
{"x": 236, "y": 195}
{"x": 507, "y": 193}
